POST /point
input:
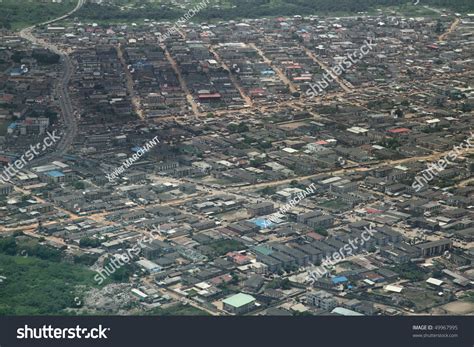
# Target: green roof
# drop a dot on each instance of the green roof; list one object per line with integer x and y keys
{"x": 239, "y": 300}
{"x": 263, "y": 250}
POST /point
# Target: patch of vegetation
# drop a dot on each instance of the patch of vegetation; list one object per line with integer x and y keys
{"x": 16, "y": 14}
{"x": 29, "y": 247}
{"x": 39, "y": 287}
{"x": 279, "y": 283}
{"x": 421, "y": 300}
{"x": 222, "y": 247}
{"x": 43, "y": 56}
{"x": 268, "y": 190}
{"x": 89, "y": 242}
{"x": 166, "y": 10}
{"x": 432, "y": 130}
{"x": 321, "y": 231}
{"x": 411, "y": 272}
{"x": 381, "y": 104}
{"x": 17, "y": 56}
{"x": 391, "y": 143}
{"x": 111, "y": 12}
{"x": 79, "y": 185}
{"x": 178, "y": 310}
{"x": 409, "y": 10}
{"x": 86, "y": 259}
{"x": 238, "y": 128}
{"x": 122, "y": 273}
{"x": 8, "y": 246}
{"x": 336, "y": 204}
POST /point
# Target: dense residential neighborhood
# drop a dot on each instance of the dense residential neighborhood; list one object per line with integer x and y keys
{"x": 283, "y": 181}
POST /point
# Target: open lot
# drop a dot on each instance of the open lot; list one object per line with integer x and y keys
{"x": 459, "y": 308}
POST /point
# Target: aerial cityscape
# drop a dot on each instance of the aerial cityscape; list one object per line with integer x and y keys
{"x": 222, "y": 158}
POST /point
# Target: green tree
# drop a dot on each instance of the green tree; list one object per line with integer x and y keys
{"x": 89, "y": 242}
{"x": 8, "y": 246}
{"x": 321, "y": 231}
{"x": 79, "y": 185}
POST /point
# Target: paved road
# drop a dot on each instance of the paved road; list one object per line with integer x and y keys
{"x": 339, "y": 80}
{"x": 453, "y": 27}
{"x": 236, "y": 84}
{"x": 280, "y": 73}
{"x": 61, "y": 90}
{"x": 182, "y": 82}
{"x": 134, "y": 96}
{"x": 392, "y": 163}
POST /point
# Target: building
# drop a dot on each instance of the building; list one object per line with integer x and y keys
{"x": 325, "y": 221}
{"x": 155, "y": 249}
{"x": 55, "y": 176}
{"x": 321, "y": 299}
{"x": 260, "y": 209}
{"x": 433, "y": 248}
{"x": 239, "y": 303}
{"x": 149, "y": 266}
{"x": 5, "y": 189}
{"x": 345, "y": 312}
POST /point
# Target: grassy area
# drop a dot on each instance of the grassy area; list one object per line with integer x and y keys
{"x": 347, "y": 266}
{"x": 178, "y": 310}
{"x": 17, "y": 14}
{"x": 336, "y": 204}
{"x": 422, "y": 299}
{"x": 410, "y": 271}
{"x": 279, "y": 283}
{"x": 410, "y": 10}
{"x": 39, "y": 287}
{"x": 418, "y": 299}
{"x": 222, "y": 247}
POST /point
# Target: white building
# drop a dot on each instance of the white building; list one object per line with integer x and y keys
{"x": 321, "y": 299}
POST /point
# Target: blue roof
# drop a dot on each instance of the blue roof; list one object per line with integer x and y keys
{"x": 339, "y": 279}
{"x": 55, "y": 174}
{"x": 262, "y": 223}
{"x": 136, "y": 149}
{"x": 12, "y": 126}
